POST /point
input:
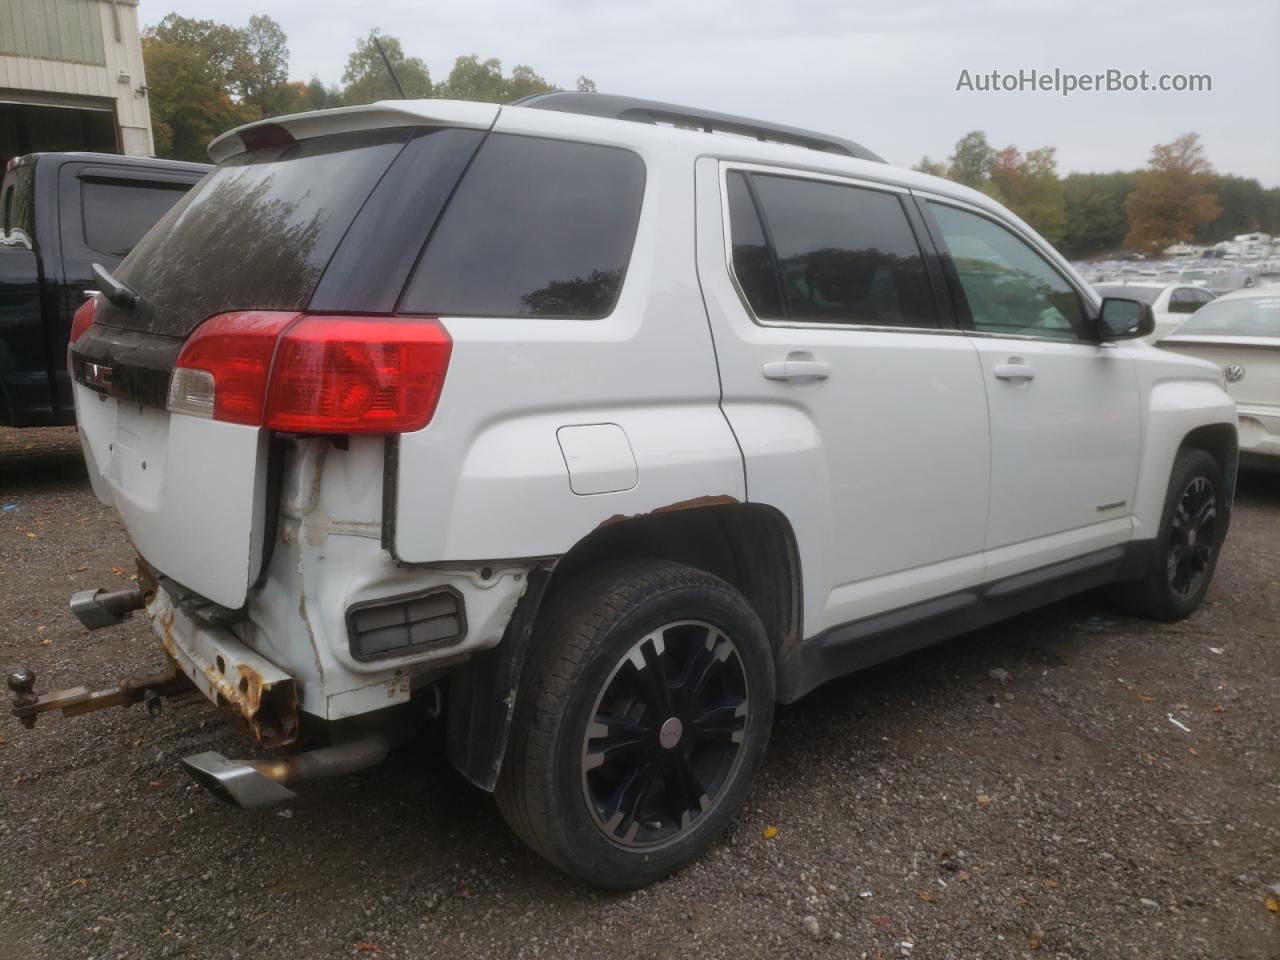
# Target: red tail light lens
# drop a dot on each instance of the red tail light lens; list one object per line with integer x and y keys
{"x": 337, "y": 374}
{"x": 313, "y": 374}
{"x": 222, "y": 370}
{"x": 82, "y": 319}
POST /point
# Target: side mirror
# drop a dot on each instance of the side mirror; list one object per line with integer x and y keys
{"x": 1124, "y": 319}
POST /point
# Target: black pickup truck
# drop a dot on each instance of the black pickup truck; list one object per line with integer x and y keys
{"x": 62, "y": 213}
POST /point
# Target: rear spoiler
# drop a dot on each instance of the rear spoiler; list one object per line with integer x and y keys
{"x": 374, "y": 116}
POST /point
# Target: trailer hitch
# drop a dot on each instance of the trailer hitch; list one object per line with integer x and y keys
{"x": 28, "y": 705}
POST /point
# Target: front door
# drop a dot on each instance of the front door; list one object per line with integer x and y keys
{"x": 860, "y": 415}
{"x": 1065, "y": 415}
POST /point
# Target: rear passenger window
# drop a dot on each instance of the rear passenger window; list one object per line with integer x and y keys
{"x": 844, "y": 254}
{"x": 540, "y": 228}
{"x": 752, "y": 262}
{"x": 117, "y": 214}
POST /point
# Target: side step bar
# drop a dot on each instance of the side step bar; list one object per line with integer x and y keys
{"x": 264, "y": 784}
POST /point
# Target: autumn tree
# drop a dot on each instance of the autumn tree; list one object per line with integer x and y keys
{"x": 1029, "y": 186}
{"x": 366, "y": 78}
{"x": 1173, "y": 196}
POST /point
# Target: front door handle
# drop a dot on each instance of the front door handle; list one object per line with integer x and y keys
{"x": 1014, "y": 370}
{"x": 796, "y": 370}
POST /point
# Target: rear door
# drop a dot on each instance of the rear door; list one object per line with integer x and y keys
{"x": 861, "y": 414}
{"x": 1065, "y": 417}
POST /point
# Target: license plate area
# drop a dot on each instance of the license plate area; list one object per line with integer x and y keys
{"x": 191, "y": 491}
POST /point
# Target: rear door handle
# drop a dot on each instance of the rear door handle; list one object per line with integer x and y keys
{"x": 796, "y": 370}
{"x": 1014, "y": 371}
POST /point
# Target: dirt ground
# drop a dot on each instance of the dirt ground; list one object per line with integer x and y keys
{"x": 1070, "y": 784}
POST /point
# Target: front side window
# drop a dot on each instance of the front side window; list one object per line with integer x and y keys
{"x": 537, "y": 228}
{"x": 842, "y": 254}
{"x": 1010, "y": 288}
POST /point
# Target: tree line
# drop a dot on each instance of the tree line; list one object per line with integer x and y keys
{"x": 205, "y": 77}
{"x": 1177, "y": 198}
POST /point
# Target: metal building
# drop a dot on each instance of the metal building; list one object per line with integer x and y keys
{"x": 71, "y": 78}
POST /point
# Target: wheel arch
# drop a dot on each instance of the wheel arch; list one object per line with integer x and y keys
{"x": 751, "y": 546}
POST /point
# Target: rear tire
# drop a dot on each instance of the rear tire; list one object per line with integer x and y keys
{"x": 1192, "y": 530}
{"x": 644, "y": 714}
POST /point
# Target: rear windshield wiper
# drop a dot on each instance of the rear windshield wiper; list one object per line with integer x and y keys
{"x": 120, "y": 294}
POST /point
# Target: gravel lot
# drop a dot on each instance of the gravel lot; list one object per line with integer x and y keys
{"x": 1019, "y": 792}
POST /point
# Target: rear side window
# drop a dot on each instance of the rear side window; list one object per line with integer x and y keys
{"x": 257, "y": 232}
{"x": 753, "y": 262}
{"x": 844, "y": 254}
{"x": 537, "y": 228}
{"x": 118, "y": 213}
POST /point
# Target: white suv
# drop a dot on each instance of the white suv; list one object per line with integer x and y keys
{"x": 598, "y": 438}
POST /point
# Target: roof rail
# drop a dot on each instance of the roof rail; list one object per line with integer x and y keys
{"x": 653, "y": 111}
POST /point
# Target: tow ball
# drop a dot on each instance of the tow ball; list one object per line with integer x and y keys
{"x": 28, "y": 705}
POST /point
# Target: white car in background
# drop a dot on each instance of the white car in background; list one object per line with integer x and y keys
{"x": 1171, "y": 303}
{"x": 1241, "y": 333}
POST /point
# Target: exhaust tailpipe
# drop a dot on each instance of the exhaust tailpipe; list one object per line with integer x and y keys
{"x": 265, "y": 783}
{"x": 98, "y": 608}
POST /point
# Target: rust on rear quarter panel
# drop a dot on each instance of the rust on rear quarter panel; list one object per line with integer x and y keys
{"x": 710, "y": 500}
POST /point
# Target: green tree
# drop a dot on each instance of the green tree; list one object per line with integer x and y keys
{"x": 1173, "y": 196}
{"x": 366, "y": 78}
{"x": 261, "y": 67}
{"x": 474, "y": 79}
{"x": 931, "y": 167}
{"x": 219, "y": 44}
{"x": 586, "y": 85}
{"x": 972, "y": 162}
{"x": 1094, "y": 219}
{"x": 1244, "y": 209}
{"x": 189, "y": 102}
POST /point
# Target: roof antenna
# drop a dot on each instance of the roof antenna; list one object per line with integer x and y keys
{"x": 390, "y": 69}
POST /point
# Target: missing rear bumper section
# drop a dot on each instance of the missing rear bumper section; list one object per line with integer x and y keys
{"x": 260, "y": 697}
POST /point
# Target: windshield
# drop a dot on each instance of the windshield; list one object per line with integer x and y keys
{"x": 1246, "y": 317}
{"x": 256, "y": 233}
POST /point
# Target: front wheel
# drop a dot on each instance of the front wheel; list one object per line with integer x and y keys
{"x": 645, "y": 716}
{"x": 1190, "y": 538}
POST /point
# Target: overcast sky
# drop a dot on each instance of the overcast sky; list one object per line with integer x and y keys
{"x": 882, "y": 73}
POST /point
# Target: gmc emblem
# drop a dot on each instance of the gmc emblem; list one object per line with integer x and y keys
{"x": 97, "y": 375}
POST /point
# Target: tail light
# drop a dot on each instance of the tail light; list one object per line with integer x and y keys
{"x": 82, "y": 319}
{"x": 313, "y": 373}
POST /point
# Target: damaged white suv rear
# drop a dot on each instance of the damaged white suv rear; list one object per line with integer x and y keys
{"x": 596, "y": 438}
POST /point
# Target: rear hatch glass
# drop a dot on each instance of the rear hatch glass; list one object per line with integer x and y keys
{"x": 255, "y": 234}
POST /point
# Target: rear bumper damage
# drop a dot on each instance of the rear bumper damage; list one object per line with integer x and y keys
{"x": 259, "y": 697}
